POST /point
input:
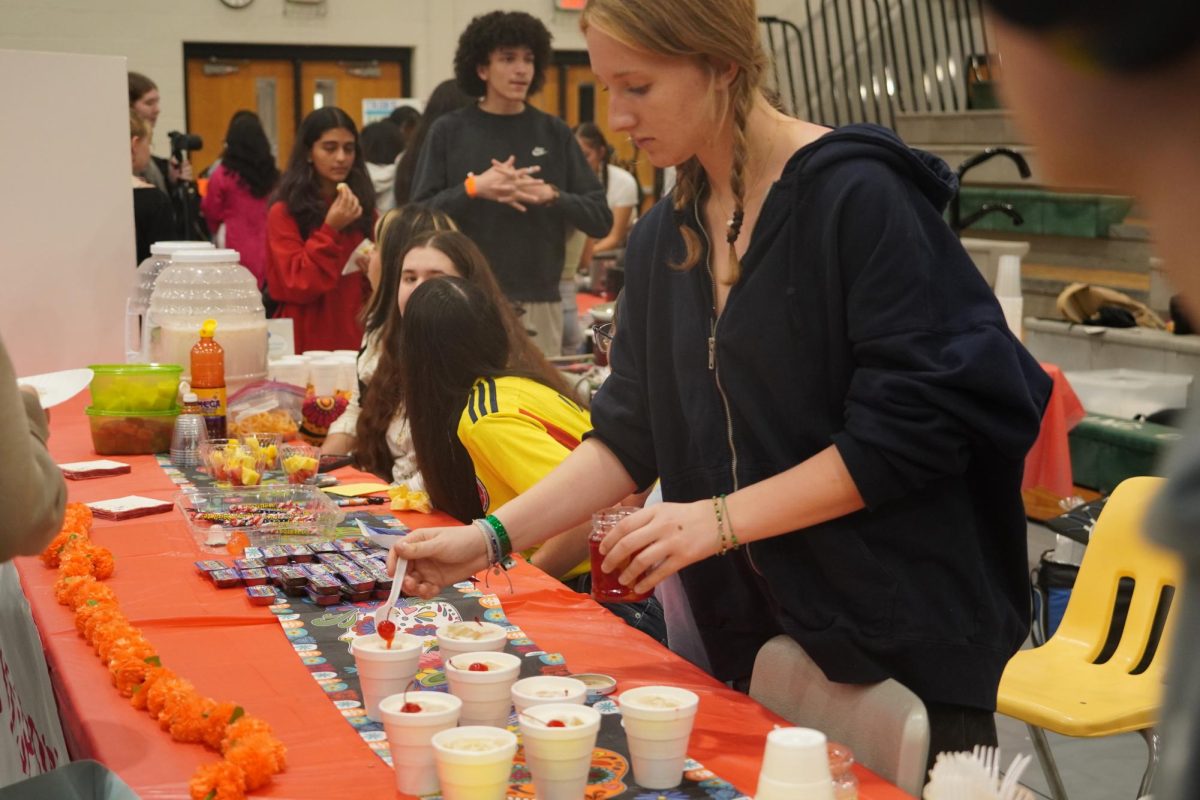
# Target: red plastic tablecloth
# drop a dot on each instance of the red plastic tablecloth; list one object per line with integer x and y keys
{"x": 233, "y": 651}
{"x": 1048, "y": 465}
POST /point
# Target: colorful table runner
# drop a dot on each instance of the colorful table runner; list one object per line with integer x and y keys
{"x": 321, "y": 637}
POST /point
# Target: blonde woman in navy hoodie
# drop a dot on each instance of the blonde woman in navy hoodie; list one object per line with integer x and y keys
{"x": 817, "y": 373}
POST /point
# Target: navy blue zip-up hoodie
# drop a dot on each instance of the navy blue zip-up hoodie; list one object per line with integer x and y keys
{"x": 859, "y": 321}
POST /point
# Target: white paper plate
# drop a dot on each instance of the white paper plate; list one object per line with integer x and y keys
{"x": 58, "y": 387}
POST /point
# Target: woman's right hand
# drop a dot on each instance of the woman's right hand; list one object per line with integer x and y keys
{"x": 344, "y": 210}
{"x": 438, "y": 557}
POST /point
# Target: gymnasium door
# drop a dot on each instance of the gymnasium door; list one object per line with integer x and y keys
{"x": 282, "y": 84}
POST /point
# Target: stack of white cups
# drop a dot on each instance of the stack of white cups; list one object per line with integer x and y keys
{"x": 1008, "y": 292}
{"x": 289, "y": 369}
{"x": 323, "y": 375}
{"x": 795, "y": 766}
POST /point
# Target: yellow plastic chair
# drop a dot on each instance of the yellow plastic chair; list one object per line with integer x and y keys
{"x": 1070, "y": 685}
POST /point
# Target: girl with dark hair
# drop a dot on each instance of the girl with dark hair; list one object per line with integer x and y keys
{"x": 396, "y": 230}
{"x": 483, "y": 429}
{"x": 323, "y": 210}
{"x": 383, "y": 441}
{"x": 620, "y": 187}
{"x": 238, "y": 189}
{"x": 445, "y": 98}
{"x": 382, "y": 143}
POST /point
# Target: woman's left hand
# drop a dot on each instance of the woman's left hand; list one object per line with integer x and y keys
{"x": 657, "y": 542}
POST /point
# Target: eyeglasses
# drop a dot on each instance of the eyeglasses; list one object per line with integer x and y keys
{"x": 602, "y": 336}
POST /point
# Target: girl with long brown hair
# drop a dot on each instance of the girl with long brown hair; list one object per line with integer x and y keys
{"x": 382, "y": 434}
{"x": 817, "y": 373}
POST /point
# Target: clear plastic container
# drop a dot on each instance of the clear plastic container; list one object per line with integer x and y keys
{"x": 209, "y": 284}
{"x": 143, "y": 285}
{"x": 841, "y": 771}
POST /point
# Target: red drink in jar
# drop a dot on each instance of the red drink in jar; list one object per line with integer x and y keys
{"x": 606, "y": 588}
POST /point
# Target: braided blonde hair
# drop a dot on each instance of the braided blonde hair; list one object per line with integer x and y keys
{"x": 714, "y": 33}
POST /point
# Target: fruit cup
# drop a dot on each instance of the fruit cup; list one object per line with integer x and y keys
{"x": 264, "y": 445}
{"x": 300, "y": 462}
{"x": 232, "y": 463}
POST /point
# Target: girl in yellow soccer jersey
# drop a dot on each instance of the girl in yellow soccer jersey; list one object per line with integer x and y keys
{"x": 483, "y": 431}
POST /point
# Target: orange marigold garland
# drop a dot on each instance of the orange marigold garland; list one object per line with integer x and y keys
{"x": 251, "y": 752}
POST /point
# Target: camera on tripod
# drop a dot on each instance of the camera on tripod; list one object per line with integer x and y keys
{"x": 183, "y": 142}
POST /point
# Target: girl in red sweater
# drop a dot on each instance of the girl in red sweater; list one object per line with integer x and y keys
{"x": 324, "y": 209}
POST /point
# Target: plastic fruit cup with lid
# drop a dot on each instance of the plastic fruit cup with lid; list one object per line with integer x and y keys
{"x": 134, "y": 387}
{"x": 300, "y": 462}
{"x": 231, "y": 462}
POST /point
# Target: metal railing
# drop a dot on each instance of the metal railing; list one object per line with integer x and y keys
{"x": 842, "y": 61}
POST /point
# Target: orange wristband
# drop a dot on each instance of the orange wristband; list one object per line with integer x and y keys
{"x": 469, "y": 185}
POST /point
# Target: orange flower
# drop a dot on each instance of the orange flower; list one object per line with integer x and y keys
{"x": 66, "y": 586}
{"x": 103, "y": 564}
{"x": 80, "y": 514}
{"x": 140, "y": 695}
{"x": 261, "y": 755}
{"x": 105, "y": 616}
{"x": 215, "y": 723}
{"x": 165, "y": 691}
{"x": 245, "y": 726}
{"x": 218, "y": 781}
{"x": 129, "y": 668}
{"x": 184, "y": 716}
{"x": 53, "y": 552}
{"x": 85, "y": 589}
{"x": 131, "y": 641}
{"x": 75, "y": 563}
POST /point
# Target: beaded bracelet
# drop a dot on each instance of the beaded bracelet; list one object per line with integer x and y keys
{"x": 501, "y": 535}
{"x": 729, "y": 522}
{"x": 491, "y": 541}
{"x": 721, "y": 510}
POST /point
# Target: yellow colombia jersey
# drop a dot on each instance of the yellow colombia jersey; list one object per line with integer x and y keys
{"x": 516, "y": 431}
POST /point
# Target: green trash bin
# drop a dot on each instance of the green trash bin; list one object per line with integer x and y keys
{"x": 1107, "y": 450}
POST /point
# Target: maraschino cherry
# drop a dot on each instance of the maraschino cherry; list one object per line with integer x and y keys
{"x": 410, "y": 708}
{"x": 387, "y": 632}
{"x": 556, "y": 723}
{"x": 477, "y": 666}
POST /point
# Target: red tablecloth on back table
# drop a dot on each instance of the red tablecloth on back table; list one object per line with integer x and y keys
{"x": 233, "y": 651}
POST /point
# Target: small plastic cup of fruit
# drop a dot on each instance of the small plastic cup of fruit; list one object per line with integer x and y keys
{"x": 264, "y": 445}
{"x": 232, "y": 463}
{"x": 300, "y": 462}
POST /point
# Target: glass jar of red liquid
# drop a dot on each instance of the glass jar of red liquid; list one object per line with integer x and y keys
{"x": 605, "y": 586}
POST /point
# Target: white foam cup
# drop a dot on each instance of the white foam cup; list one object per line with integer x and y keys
{"x": 490, "y": 637}
{"x": 559, "y": 758}
{"x": 410, "y": 736}
{"x": 479, "y": 773}
{"x": 487, "y": 695}
{"x": 769, "y": 789}
{"x": 796, "y": 756}
{"x": 542, "y": 689}
{"x": 658, "y": 723}
{"x": 383, "y": 671}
